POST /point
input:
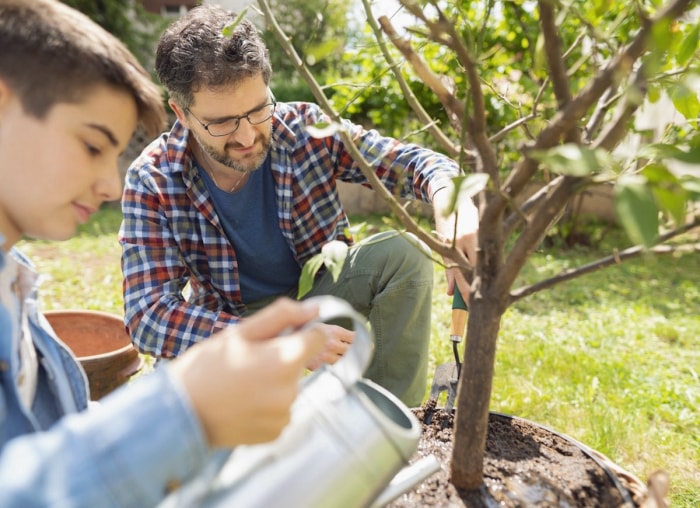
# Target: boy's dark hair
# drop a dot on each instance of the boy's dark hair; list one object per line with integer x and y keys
{"x": 51, "y": 53}
{"x": 193, "y": 53}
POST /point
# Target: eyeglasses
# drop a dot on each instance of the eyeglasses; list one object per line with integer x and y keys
{"x": 229, "y": 126}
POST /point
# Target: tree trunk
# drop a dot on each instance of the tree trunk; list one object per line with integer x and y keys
{"x": 466, "y": 467}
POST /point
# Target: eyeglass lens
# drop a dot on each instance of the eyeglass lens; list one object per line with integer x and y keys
{"x": 255, "y": 117}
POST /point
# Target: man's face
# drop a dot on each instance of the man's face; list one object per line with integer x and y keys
{"x": 244, "y": 149}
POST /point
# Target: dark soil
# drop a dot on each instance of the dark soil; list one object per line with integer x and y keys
{"x": 525, "y": 465}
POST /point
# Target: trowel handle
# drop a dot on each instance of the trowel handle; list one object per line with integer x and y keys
{"x": 459, "y": 316}
{"x": 457, "y": 300}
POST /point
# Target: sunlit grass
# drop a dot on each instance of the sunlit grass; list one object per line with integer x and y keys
{"x": 83, "y": 272}
{"x": 611, "y": 359}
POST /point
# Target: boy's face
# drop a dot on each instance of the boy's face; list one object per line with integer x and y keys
{"x": 57, "y": 171}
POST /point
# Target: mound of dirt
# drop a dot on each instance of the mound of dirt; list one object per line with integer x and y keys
{"x": 525, "y": 465}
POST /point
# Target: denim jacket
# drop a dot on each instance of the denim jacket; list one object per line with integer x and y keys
{"x": 130, "y": 449}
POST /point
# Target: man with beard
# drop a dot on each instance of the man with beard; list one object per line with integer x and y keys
{"x": 222, "y": 212}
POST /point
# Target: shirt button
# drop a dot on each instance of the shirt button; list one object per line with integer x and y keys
{"x": 3, "y": 366}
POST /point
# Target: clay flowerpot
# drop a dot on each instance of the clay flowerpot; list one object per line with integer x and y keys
{"x": 101, "y": 344}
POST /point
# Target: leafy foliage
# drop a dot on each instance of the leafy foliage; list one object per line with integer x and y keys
{"x": 507, "y": 43}
{"x": 318, "y": 30}
{"x": 128, "y": 21}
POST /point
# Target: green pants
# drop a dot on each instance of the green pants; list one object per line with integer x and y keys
{"x": 389, "y": 279}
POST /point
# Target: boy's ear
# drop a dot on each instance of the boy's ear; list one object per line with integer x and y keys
{"x": 5, "y": 95}
{"x": 179, "y": 112}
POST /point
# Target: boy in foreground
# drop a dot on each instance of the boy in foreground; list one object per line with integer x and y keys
{"x": 71, "y": 96}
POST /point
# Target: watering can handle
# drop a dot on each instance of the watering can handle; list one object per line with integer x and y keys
{"x": 350, "y": 368}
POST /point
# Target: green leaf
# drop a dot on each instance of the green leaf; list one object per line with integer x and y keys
{"x": 308, "y": 274}
{"x": 600, "y": 7}
{"x": 574, "y": 160}
{"x": 637, "y": 210}
{"x": 357, "y": 230}
{"x": 685, "y": 101}
{"x": 667, "y": 190}
{"x": 654, "y": 93}
{"x": 689, "y": 46}
{"x": 661, "y": 35}
{"x": 659, "y": 174}
{"x": 323, "y": 129}
{"x": 318, "y": 52}
{"x": 691, "y": 184}
{"x": 228, "y": 30}
{"x": 672, "y": 201}
{"x": 334, "y": 254}
{"x": 466, "y": 187}
{"x": 661, "y": 151}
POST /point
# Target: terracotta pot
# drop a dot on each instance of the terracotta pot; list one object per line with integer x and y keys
{"x": 101, "y": 344}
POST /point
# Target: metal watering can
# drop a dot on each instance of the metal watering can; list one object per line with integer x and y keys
{"x": 347, "y": 439}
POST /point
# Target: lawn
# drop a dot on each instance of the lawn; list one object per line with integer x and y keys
{"x": 611, "y": 359}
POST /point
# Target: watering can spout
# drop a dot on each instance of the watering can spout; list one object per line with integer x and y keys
{"x": 407, "y": 479}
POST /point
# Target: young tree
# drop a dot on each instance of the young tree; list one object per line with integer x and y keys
{"x": 543, "y": 91}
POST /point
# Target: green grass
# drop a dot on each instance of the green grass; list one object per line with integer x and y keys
{"x": 611, "y": 359}
{"x": 83, "y": 272}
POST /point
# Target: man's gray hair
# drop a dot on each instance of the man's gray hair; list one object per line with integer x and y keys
{"x": 194, "y": 54}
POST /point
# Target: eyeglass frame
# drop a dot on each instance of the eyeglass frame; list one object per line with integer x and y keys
{"x": 238, "y": 119}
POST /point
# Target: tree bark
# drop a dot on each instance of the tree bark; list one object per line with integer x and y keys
{"x": 474, "y": 394}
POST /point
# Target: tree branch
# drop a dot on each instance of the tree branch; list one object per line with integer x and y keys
{"x": 616, "y": 130}
{"x": 424, "y": 73}
{"x": 555, "y": 60}
{"x": 476, "y": 121}
{"x": 538, "y": 224}
{"x": 553, "y": 53}
{"x": 415, "y": 105}
{"x": 598, "y": 115}
{"x": 615, "y": 258}
{"x": 512, "y": 126}
{"x": 576, "y": 109}
{"x": 404, "y": 217}
{"x": 519, "y": 214}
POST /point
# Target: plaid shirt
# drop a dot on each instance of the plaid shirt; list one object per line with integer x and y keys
{"x": 171, "y": 235}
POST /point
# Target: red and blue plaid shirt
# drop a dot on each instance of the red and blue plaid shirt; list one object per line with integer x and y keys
{"x": 172, "y": 237}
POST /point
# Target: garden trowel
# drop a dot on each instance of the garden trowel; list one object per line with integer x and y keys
{"x": 446, "y": 375}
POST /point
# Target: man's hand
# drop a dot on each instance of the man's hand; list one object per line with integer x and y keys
{"x": 244, "y": 379}
{"x": 338, "y": 344}
{"x": 461, "y": 228}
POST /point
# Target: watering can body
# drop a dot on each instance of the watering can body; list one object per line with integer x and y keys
{"x": 347, "y": 438}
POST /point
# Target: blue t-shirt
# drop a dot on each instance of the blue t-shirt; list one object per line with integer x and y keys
{"x": 266, "y": 263}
